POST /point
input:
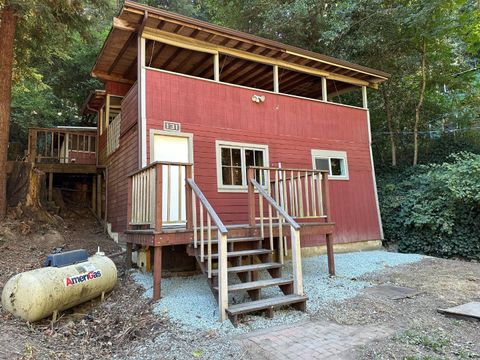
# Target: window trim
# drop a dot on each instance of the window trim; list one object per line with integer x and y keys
{"x": 329, "y": 154}
{"x": 242, "y": 146}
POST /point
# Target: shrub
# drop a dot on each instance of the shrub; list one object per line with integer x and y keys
{"x": 434, "y": 209}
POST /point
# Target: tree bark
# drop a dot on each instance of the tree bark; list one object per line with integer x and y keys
{"x": 7, "y": 30}
{"x": 388, "y": 111}
{"x": 420, "y": 102}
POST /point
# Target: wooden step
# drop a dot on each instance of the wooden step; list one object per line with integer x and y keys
{"x": 237, "y": 240}
{"x": 248, "y": 307}
{"x": 245, "y": 253}
{"x": 260, "y": 284}
{"x": 247, "y": 268}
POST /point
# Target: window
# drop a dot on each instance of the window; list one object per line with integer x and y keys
{"x": 333, "y": 161}
{"x": 233, "y": 160}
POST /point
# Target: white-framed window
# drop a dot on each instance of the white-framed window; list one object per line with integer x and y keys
{"x": 334, "y": 161}
{"x": 233, "y": 159}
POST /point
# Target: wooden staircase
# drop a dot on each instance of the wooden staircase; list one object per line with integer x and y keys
{"x": 255, "y": 270}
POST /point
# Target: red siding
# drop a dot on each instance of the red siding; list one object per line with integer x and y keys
{"x": 116, "y": 88}
{"x": 121, "y": 163}
{"x": 291, "y": 127}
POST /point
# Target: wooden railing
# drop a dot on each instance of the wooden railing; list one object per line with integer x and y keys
{"x": 199, "y": 207}
{"x": 64, "y": 146}
{"x": 282, "y": 217}
{"x": 157, "y": 194}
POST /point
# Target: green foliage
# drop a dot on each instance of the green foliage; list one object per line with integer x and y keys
{"x": 434, "y": 209}
{"x": 434, "y": 340}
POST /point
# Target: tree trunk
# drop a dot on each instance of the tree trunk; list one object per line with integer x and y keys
{"x": 420, "y": 102}
{"x": 7, "y": 31}
{"x": 388, "y": 111}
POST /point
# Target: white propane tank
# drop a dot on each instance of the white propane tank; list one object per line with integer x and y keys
{"x": 36, "y": 294}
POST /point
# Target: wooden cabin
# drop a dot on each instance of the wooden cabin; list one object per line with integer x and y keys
{"x": 232, "y": 149}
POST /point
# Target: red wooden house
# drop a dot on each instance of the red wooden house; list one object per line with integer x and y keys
{"x": 237, "y": 149}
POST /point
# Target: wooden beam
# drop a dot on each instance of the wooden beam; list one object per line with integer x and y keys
{"x": 111, "y": 77}
{"x": 124, "y": 25}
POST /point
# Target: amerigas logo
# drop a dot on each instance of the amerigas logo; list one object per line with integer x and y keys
{"x": 78, "y": 279}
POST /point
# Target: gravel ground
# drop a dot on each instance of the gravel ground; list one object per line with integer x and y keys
{"x": 188, "y": 301}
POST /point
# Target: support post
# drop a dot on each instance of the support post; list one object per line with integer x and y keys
{"x": 330, "y": 256}
{"x": 251, "y": 198}
{"x": 188, "y": 198}
{"x": 129, "y": 201}
{"x": 324, "y": 89}
{"x": 276, "y": 83}
{"x": 94, "y": 195}
{"x": 158, "y": 196}
{"x": 296, "y": 262}
{"x": 157, "y": 272}
{"x": 99, "y": 196}
{"x": 32, "y": 146}
{"x": 364, "y": 97}
{"x": 50, "y": 186}
{"x": 222, "y": 276}
{"x": 142, "y": 117}
{"x": 216, "y": 67}
{"x": 326, "y": 196}
{"x": 128, "y": 255}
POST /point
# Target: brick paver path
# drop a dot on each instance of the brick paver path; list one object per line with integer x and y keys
{"x": 310, "y": 340}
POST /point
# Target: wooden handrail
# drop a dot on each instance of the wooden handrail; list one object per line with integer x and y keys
{"x": 220, "y": 226}
{"x": 173, "y": 163}
{"x": 277, "y": 207}
{"x": 287, "y": 169}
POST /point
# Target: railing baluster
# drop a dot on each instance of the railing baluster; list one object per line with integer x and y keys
{"x": 314, "y": 202}
{"x": 292, "y": 195}
{"x": 169, "y": 191}
{"x": 180, "y": 187}
{"x": 300, "y": 193}
{"x": 194, "y": 218}
{"x": 319, "y": 195}
{"x": 307, "y": 200}
{"x": 270, "y": 224}
{"x": 284, "y": 186}
{"x": 260, "y": 209}
{"x": 280, "y": 237}
{"x": 209, "y": 245}
{"x": 202, "y": 252}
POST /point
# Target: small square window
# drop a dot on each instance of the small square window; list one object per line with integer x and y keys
{"x": 335, "y": 162}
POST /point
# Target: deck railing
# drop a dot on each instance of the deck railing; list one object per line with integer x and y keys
{"x": 156, "y": 195}
{"x": 62, "y": 146}
{"x": 199, "y": 207}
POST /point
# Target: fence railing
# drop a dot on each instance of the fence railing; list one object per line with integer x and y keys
{"x": 199, "y": 208}
{"x": 62, "y": 146}
{"x": 157, "y": 195}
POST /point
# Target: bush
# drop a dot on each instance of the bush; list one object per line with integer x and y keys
{"x": 434, "y": 209}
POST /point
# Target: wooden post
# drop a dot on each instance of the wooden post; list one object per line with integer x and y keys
{"x": 296, "y": 261}
{"x": 324, "y": 89}
{"x": 326, "y": 196}
{"x": 129, "y": 202}
{"x": 158, "y": 196}
{"x": 50, "y": 186}
{"x": 99, "y": 196}
{"x": 276, "y": 83}
{"x": 32, "y": 146}
{"x": 330, "y": 256}
{"x": 222, "y": 276}
{"x": 364, "y": 97}
{"x": 157, "y": 272}
{"x": 216, "y": 67}
{"x": 94, "y": 194}
{"x": 251, "y": 198}
{"x": 128, "y": 255}
{"x": 188, "y": 198}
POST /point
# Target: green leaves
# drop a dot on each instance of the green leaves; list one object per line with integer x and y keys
{"x": 436, "y": 209}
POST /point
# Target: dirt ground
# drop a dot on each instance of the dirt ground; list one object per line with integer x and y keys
{"x": 421, "y": 333}
{"x": 125, "y": 323}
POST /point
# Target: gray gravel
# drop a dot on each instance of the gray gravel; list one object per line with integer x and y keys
{"x": 189, "y": 302}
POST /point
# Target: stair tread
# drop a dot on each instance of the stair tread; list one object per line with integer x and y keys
{"x": 254, "y": 267}
{"x": 245, "y": 253}
{"x": 251, "y": 285}
{"x": 239, "y": 239}
{"x": 256, "y": 305}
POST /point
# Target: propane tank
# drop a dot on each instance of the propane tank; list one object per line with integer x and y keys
{"x": 36, "y": 294}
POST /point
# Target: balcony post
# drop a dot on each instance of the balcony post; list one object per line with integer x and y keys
{"x": 251, "y": 198}
{"x": 326, "y": 196}
{"x": 324, "y": 89}
{"x": 188, "y": 198}
{"x": 158, "y": 196}
{"x": 216, "y": 67}
{"x": 364, "y": 97}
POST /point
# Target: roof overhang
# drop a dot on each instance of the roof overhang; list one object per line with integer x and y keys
{"x": 184, "y": 39}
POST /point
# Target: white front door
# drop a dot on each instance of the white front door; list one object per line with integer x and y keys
{"x": 176, "y": 149}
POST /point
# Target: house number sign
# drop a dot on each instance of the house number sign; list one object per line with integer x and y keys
{"x": 171, "y": 126}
